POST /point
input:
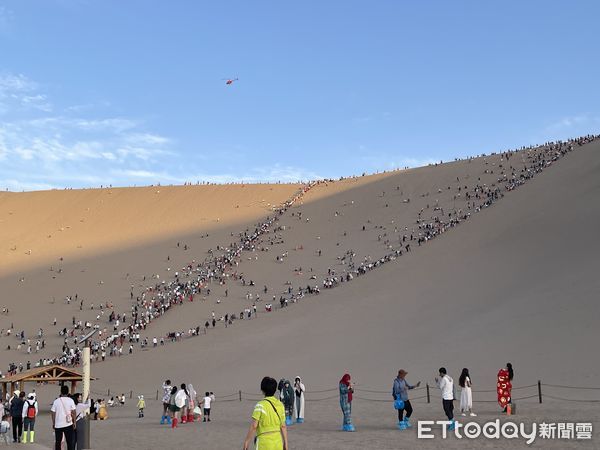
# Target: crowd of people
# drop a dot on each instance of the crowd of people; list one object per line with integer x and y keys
{"x": 271, "y": 416}
{"x": 123, "y": 333}
{"x": 184, "y": 405}
{"x": 401, "y": 388}
{"x": 20, "y": 410}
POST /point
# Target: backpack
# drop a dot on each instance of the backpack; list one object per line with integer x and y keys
{"x": 31, "y": 410}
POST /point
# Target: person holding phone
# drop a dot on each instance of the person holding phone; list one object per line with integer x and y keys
{"x": 346, "y": 391}
{"x": 400, "y": 390}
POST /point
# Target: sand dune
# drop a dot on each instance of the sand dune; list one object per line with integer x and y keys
{"x": 40, "y": 227}
{"x": 508, "y": 284}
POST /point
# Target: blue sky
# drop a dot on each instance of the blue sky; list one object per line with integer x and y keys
{"x": 131, "y": 92}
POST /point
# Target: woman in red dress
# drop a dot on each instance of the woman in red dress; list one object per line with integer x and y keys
{"x": 504, "y": 386}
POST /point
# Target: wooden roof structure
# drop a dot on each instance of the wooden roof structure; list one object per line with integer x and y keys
{"x": 45, "y": 374}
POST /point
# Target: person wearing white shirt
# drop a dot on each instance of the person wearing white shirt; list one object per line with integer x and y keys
{"x": 63, "y": 419}
{"x": 81, "y": 409}
{"x": 446, "y": 385}
{"x": 206, "y": 404}
{"x": 4, "y": 428}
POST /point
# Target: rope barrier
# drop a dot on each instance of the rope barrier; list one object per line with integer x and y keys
{"x": 253, "y": 397}
{"x": 570, "y": 387}
{"x": 522, "y": 387}
{"x": 235, "y": 394}
{"x": 514, "y": 388}
{"x": 371, "y": 400}
{"x": 321, "y": 392}
{"x": 321, "y": 399}
{"x": 570, "y": 399}
{"x": 389, "y": 392}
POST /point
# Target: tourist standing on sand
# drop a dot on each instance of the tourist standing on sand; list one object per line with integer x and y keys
{"x": 299, "y": 390}
{"x": 193, "y": 402}
{"x": 184, "y": 394}
{"x": 268, "y": 420}
{"x": 173, "y": 408}
{"x": 346, "y": 391}
{"x": 180, "y": 399}
{"x": 63, "y": 419}
{"x": 165, "y": 399}
{"x": 287, "y": 396}
{"x": 446, "y": 385}
{"x": 504, "y": 386}
{"x": 16, "y": 412}
{"x": 206, "y": 403}
{"x": 30, "y": 412}
{"x": 466, "y": 395}
{"x": 80, "y": 409}
{"x": 140, "y": 406}
{"x": 400, "y": 391}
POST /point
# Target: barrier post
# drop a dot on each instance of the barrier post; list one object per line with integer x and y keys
{"x": 240, "y": 394}
{"x": 130, "y": 394}
{"x": 108, "y": 393}
{"x": 428, "y": 397}
{"x": 540, "y": 390}
{"x": 157, "y": 394}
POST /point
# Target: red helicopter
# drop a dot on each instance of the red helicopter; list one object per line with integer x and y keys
{"x": 229, "y": 81}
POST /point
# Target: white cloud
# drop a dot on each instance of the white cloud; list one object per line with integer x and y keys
{"x": 568, "y": 127}
{"x": 19, "y": 92}
{"x": 10, "y": 83}
{"x": 117, "y": 124}
{"x": 48, "y": 150}
{"x": 17, "y": 185}
{"x": 6, "y": 17}
{"x": 146, "y": 138}
{"x": 79, "y": 147}
{"x": 573, "y": 121}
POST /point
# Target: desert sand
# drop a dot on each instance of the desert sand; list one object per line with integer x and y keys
{"x": 515, "y": 282}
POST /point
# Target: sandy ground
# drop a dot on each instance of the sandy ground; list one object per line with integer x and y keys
{"x": 517, "y": 282}
{"x": 375, "y": 424}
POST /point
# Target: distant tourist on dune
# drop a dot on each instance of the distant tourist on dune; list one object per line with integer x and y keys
{"x": 466, "y": 395}
{"x": 446, "y": 385}
{"x": 268, "y": 421}
{"x": 346, "y": 391}
{"x": 400, "y": 390}
{"x": 504, "y": 386}
{"x": 299, "y": 391}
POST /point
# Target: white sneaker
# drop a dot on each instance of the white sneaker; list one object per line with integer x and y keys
{"x": 473, "y": 414}
{"x": 463, "y": 414}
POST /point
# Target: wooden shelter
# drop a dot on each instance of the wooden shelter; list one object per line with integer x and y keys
{"x": 45, "y": 374}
